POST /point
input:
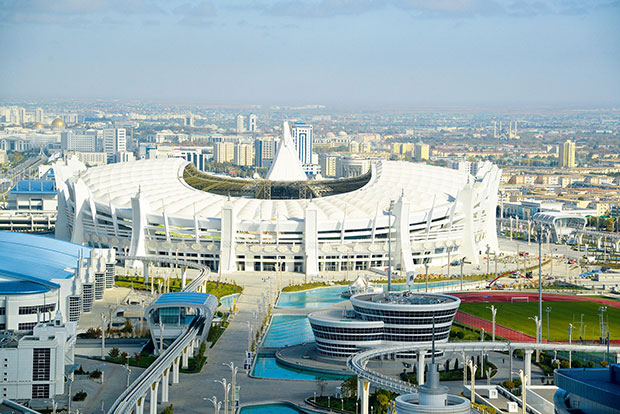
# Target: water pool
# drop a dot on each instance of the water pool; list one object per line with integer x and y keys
{"x": 326, "y": 296}
{"x": 270, "y": 408}
{"x": 268, "y": 367}
{"x": 287, "y": 330}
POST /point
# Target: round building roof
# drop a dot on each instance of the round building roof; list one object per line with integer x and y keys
{"x": 57, "y": 123}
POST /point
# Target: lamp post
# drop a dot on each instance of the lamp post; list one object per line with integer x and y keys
{"x": 390, "y": 213}
{"x": 570, "y": 340}
{"x": 103, "y": 321}
{"x": 548, "y": 310}
{"x": 128, "y": 369}
{"x": 226, "y": 386}
{"x": 426, "y": 276}
{"x": 472, "y": 368}
{"x": 216, "y": 405}
{"x": 538, "y": 332}
{"x": 523, "y": 390}
{"x": 233, "y": 374}
{"x": 537, "y": 322}
{"x": 602, "y": 310}
{"x": 493, "y": 313}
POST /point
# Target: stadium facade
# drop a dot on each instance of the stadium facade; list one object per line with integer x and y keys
{"x": 164, "y": 207}
{"x": 383, "y": 319}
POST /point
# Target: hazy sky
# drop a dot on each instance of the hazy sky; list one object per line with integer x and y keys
{"x": 337, "y": 52}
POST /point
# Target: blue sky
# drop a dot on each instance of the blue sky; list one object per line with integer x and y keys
{"x": 363, "y": 53}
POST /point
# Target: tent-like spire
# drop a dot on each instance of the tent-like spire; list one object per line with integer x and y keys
{"x": 286, "y": 166}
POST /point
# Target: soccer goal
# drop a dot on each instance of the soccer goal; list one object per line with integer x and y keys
{"x": 520, "y": 299}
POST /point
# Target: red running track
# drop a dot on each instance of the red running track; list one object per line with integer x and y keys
{"x": 500, "y": 331}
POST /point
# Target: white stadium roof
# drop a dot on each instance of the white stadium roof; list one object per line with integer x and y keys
{"x": 161, "y": 184}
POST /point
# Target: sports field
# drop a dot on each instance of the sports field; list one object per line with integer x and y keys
{"x": 515, "y": 316}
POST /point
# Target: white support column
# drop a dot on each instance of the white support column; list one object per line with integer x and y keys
{"x": 365, "y": 394}
{"x": 421, "y": 354}
{"x": 185, "y": 358}
{"x": 140, "y": 406}
{"x": 227, "y": 241}
{"x": 81, "y": 196}
{"x": 153, "y": 398}
{"x": 164, "y": 385}
{"x": 311, "y": 240}
{"x": 403, "y": 241}
{"x": 468, "y": 246}
{"x": 175, "y": 371}
{"x": 139, "y": 209}
{"x": 184, "y": 278}
{"x": 527, "y": 362}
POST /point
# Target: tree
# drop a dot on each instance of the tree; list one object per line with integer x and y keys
{"x": 93, "y": 333}
{"x": 321, "y": 385}
{"x": 349, "y": 387}
{"x": 383, "y": 400}
{"x": 124, "y": 355}
{"x": 114, "y": 352}
{"x": 456, "y": 364}
{"x": 128, "y": 327}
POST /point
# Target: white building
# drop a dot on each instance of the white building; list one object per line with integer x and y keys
{"x": 240, "y": 124}
{"x": 302, "y": 138}
{"x": 252, "y": 119}
{"x": 114, "y": 141}
{"x": 82, "y": 141}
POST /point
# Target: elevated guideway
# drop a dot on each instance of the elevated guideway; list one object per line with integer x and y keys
{"x": 357, "y": 363}
{"x": 165, "y": 369}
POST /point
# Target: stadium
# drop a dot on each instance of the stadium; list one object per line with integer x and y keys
{"x": 383, "y": 319}
{"x": 165, "y": 207}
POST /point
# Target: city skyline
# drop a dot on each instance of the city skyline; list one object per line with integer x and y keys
{"x": 338, "y": 53}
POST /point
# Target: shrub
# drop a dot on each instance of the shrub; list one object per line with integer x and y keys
{"x": 508, "y": 384}
{"x": 577, "y": 363}
{"x": 604, "y": 364}
{"x": 114, "y": 352}
{"x": 95, "y": 374}
{"x": 79, "y": 396}
{"x": 590, "y": 364}
{"x": 168, "y": 410}
{"x": 460, "y": 335}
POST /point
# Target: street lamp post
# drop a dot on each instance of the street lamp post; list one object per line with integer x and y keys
{"x": 233, "y": 374}
{"x": 216, "y": 405}
{"x": 128, "y": 369}
{"x": 548, "y": 310}
{"x": 493, "y": 313}
{"x": 524, "y": 380}
{"x": 472, "y": 368}
{"x": 538, "y": 331}
{"x": 389, "y": 213}
{"x": 602, "y": 310}
{"x": 103, "y": 321}
{"x": 570, "y": 340}
{"x": 538, "y": 324}
{"x": 226, "y": 386}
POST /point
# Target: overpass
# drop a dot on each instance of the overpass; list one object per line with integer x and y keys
{"x": 365, "y": 376}
{"x": 165, "y": 369}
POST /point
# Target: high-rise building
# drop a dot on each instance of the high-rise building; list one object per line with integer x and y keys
{"x": 302, "y": 138}
{"x": 244, "y": 155}
{"x": 328, "y": 165}
{"x": 567, "y": 154}
{"x": 189, "y": 120}
{"x": 224, "y": 152}
{"x": 354, "y": 146}
{"x": 78, "y": 141}
{"x": 240, "y": 124}
{"x": 114, "y": 140}
{"x": 421, "y": 151}
{"x": 252, "y": 119}
{"x": 39, "y": 115}
{"x": 264, "y": 151}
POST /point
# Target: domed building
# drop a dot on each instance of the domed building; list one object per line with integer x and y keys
{"x": 58, "y": 123}
{"x": 39, "y": 125}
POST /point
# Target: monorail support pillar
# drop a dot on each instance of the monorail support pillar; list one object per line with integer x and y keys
{"x": 140, "y": 406}
{"x": 421, "y": 355}
{"x": 185, "y": 358}
{"x": 175, "y": 371}
{"x": 153, "y": 398}
{"x": 164, "y": 385}
{"x": 365, "y": 394}
{"x": 510, "y": 356}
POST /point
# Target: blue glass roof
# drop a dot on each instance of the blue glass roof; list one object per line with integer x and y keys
{"x": 35, "y": 186}
{"x": 36, "y": 259}
{"x": 190, "y": 298}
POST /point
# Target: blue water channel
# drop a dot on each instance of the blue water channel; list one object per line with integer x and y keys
{"x": 268, "y": 367}
{"x": 227, "y": 301}
{"x": 270, "y": 409}
{"x": 288, "y": 330}
{"x": 326, "y": 296}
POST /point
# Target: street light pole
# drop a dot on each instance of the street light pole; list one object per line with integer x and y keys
{"x": 570, "y": 340}
{"x": 389, "y": 272}
{"x": 493, "y": 313}
{"x": 472, "y": 368}
{"x": 602, "y": 310}
{"x": 538, "y": 332}
{"x": 523, "y": 390}
{"x": 548, "y": 310}
{"x": 102, "y": 336}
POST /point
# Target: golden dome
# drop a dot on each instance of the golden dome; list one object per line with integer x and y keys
{"x": 38, "y": 125}
{"x": 57, "y": 123}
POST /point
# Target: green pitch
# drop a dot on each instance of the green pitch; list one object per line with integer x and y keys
{"x": 515, "y": 316}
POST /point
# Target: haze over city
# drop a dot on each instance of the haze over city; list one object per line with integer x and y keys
{"x": 348, "y": 53}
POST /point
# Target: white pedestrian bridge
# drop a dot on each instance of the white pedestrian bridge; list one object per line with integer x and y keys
{"x": 365, "y": 376}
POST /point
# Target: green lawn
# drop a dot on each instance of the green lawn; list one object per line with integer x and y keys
{"x": 515, "y": 316}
